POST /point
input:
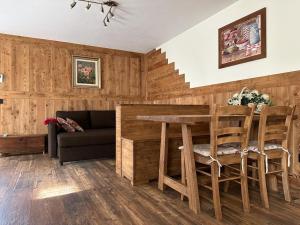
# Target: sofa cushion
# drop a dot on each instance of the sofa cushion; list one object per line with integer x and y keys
{"x": 81, "y": 117}
{"x": 87, "y": 138}
{"x": 103, "y": 119}
{"x": 75, "y": 125}
{"x": 65, "y": 125}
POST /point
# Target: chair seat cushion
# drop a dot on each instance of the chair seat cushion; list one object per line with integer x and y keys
{"x": 87, "y": 138}
{"x": 268, "y": 146}
{"x": 204, "y": 149}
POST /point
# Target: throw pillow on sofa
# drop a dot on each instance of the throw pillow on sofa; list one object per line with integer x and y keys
{"x": 65, "y": 125}
{"x": 75, "y": 125}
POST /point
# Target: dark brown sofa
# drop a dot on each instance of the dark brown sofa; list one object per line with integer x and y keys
{"x": 97, "y": 141}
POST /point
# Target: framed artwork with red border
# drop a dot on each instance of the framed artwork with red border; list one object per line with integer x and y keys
{"x": 243, "y": 40}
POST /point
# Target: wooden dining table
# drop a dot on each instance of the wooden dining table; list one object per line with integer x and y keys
{"x": 186, "y": 122}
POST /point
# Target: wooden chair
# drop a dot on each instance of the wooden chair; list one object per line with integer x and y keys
{"x": 272, "y": 144}
{"x": 229, "y": 135}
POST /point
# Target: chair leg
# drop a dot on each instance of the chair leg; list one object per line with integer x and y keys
{"x": 285, "y": 177}
{"x": 244, "y": 186}
{"x": 215, "y": 190}
{"x": 272, "y": 179}
{"x": 183, "y": 176}
{"x": 262, "y": 182}
{"x": 226, "y": 183}
{"x": 254, "y": 173}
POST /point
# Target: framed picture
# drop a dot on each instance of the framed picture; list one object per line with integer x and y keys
{"x": 86, "y": 72}
{"x": 243, "y": 40}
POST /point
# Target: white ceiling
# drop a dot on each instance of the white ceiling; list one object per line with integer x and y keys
{"x": 139, "y": 25}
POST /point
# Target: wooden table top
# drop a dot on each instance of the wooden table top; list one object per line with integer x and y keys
{"x": 189, "y": 119}
{"x": 186, "y": 119}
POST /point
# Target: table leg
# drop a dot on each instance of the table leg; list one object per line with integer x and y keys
{"x": 163, "y": 160}
{"x": 190, "y": 165}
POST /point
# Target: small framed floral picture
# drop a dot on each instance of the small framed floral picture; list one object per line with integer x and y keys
{"x": 86, "y": 72}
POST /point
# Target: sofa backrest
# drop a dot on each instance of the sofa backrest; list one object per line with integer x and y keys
{"x": 103, "y": 119}
{"x": 81, "y": 117}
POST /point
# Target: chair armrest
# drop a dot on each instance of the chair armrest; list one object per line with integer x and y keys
{"x": 52, "y": 139}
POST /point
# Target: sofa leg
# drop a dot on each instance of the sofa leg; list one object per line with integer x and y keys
{"x": 61, "y": 163}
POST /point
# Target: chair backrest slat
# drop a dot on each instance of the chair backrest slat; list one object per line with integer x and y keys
{"x": 229, "y": 139}
{"x": 276, "y": 129}
{"x": 278, "y": 110}
{"x": 277, "y": 136}
{"x": 230, "y": 130}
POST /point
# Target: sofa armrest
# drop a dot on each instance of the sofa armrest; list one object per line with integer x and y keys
{"x": 52, "y": 140}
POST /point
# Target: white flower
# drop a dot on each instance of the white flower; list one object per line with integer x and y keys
{"x": 255, "y": 92}
{"x": 248, "y": 96}
{"x": 236, "y": 95}
{"x": 235, "y": 102}
{"x": 259, "y": 107}
{"x": 266, "y": 97}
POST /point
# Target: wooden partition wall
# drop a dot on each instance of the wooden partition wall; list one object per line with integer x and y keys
{"x": 138, "y": 142}
{"x": 284, "y": 89}
{"x": 38, "y": 81}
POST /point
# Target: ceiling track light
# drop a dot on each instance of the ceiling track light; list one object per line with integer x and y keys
{"x": 88, "y": 6}
{"x": 73, "y": 4}
{"x": 109, "y": 4}
{"x": 110, "y": 12}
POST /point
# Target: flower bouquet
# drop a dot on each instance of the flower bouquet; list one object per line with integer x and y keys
{"x": 50, "y": 120}
{"x": 247, "y": 96}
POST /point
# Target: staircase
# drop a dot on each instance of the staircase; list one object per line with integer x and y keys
{"x": 163, "y": 80}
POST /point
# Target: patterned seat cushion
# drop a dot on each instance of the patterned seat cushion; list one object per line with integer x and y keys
{"x": 268, "y": 146}
{"x": 204, "y": 149}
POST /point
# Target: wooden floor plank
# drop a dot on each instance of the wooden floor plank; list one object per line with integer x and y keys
{"x": 36, "y": 190}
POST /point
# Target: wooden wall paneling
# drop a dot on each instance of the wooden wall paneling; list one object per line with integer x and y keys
{"x": 135, "y": 78}
{"x": 5, "y": 63}
{"x": 22, "y": 68}
{"x": 38, "y": 81}
{"x": 40, "y": 69}
{"x": 62, "y": 70}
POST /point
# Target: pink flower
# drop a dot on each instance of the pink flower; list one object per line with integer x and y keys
{"x": 50, "y": 120}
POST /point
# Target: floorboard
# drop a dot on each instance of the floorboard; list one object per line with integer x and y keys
{"x": 36, "y": 190}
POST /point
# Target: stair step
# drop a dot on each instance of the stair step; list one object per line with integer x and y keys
{"x": 166, "y": 69}
{"x": 158, "y": 64}
{"x": 167, "y": 78}
{"x": 153, "y": 53}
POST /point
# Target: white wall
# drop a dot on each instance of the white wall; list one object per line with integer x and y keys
{"x": 195, "y": 52}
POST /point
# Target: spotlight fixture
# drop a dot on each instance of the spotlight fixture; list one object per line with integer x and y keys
{"x": 73, "y": 4}
{"x": 88, "y": 6}
{"x": 103, "y": 4}
{"x": 111, "y": 14}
